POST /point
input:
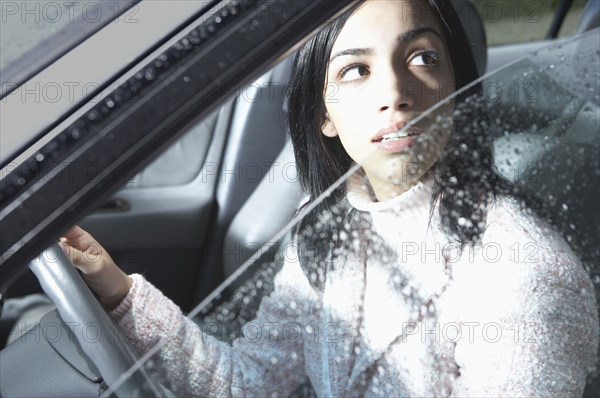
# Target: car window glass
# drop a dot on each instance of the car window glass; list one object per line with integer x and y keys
{"x": 540, "y": 120}
{"x": 509, "y": 22}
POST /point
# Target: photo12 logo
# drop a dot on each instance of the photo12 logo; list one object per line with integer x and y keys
{"x": 471, "y": 332}
{"x": 64, "y": 12}
{"x": 52, "y": 92}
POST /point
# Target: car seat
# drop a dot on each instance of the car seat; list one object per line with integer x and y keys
{"x": 590, "y": 17}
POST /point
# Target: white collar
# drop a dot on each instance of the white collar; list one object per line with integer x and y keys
{"x": 359, "y": 194}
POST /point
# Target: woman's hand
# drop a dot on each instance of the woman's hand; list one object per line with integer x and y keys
{"x": 99, "y": 270}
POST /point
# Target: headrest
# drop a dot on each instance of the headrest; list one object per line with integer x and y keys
{"x": 473, "y": 25}
{"x": 590, "y": 17}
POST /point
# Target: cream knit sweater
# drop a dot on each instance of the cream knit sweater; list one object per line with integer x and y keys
{"x": 515, "y": 317}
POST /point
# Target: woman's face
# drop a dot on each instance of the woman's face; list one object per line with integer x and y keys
{"x": 389, "y": 64}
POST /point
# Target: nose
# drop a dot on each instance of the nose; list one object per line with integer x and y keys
{"x": 396, "y": 93}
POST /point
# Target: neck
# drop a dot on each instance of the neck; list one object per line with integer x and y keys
{"x": 385, "y": 190}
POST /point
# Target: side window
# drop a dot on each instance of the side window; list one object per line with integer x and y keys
{"x": 512, "y": 21}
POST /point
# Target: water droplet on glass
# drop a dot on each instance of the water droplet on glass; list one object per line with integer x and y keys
{"x": 92, "y": 115}
{"x": 149, "y": 74}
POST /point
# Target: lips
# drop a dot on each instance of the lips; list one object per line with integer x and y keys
{"x": 397, "y": 135}
{"x": 393, "y": 133}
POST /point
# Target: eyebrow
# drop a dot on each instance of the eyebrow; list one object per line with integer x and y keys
{"x": 411, "y": 34}
{"x": 402, "y": 38}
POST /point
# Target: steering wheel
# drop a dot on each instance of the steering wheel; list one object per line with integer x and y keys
{"x": 77, "y": 305}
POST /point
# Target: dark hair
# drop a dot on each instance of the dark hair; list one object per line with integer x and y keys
{"x": 321, "y": 160}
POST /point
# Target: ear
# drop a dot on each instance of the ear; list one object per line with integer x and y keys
{"x": 328, "y": 129}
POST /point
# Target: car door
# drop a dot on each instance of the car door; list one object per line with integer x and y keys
{"x": 172, "y": 207}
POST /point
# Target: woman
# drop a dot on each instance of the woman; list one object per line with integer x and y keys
{"x": 393, "y": 292}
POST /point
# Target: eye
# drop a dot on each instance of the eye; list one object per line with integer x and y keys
{"x": 425, "y": 58}
{"x": 353, "y": 72}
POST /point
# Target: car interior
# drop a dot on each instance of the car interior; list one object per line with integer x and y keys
{"x": 192, "y": 218}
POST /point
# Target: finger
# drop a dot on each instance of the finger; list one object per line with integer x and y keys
{"x": 85, "y": 261}
{"x": 80, "y": 239}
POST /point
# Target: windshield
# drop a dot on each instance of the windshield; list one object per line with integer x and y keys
{"x": 517, "y": 214}
{"x": 40, "y": 31}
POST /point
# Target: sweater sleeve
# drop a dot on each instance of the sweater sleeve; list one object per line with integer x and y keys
{"x": 534, "y": 323}
{"x": 265, "y": 361}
